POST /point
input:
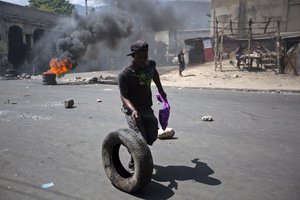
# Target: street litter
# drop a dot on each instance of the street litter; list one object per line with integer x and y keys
{"x": 25, "y": 76}
{"x": 47, "y": 185}
{"x": 207, "y": 118}
{"x": 93, "y": 80}
{"x": 113, "y": 80}
{"x": 168, "y": 133}
{"x": 69, "y": 103}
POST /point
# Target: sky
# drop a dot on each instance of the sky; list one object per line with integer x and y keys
{"x": 81, "y": 2}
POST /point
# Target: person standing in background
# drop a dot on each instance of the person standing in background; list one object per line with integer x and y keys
{"x": 181, "y": 62}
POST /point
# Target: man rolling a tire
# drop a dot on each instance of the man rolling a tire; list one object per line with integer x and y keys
{"x": 136, "y": 96}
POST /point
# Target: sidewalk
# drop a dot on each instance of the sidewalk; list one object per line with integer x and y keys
{"x": 204, "y": 76}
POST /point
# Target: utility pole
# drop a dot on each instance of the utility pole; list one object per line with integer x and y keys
{"x": 278, "y": 49}
{"x": 216, "y": 41}
{"x": 249, "y": 41}
{"x": 221, "y": 48}
{"x": 86, "y": 8}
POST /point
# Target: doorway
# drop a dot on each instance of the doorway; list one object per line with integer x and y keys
{"x": 16, "y": 47}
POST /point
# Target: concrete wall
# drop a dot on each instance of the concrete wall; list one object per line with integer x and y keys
{"x": 240, "y": 11}
{"x": 293, "y": 16}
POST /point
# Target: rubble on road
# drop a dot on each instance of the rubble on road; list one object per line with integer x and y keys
{"x": 207, "y": 118}
{"x": 12, "y": 74}
{"x": 47, "y": 185}
{"x": 112, "y": 80}
{"x": 168, "y": 133}
{"x": 9, "y": 73}
{"x": 69, "y": 103}
{"x": 93, "y": 80}
{"x": 25, "y": 76}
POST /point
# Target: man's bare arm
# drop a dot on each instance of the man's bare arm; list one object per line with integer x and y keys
{"x": 157, "y": 82}
{"x": 127, "y": 103}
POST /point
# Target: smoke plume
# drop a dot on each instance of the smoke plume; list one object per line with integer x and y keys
{"x": 92, "y": 29}
{"x": 104, "y": 31}
{"x": 150, "y": 14}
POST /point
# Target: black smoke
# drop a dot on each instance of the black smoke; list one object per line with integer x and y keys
{"x": 88, "y": 30}
{"x": 151, "y": 14}
{"x": 98, "y": 35}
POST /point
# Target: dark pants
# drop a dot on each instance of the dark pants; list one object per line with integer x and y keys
{"x": 181, "y": 68}
{"x": 239, "y": 60}
{"x": 146, "y": 124}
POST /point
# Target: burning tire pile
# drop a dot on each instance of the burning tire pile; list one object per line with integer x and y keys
{"x": 49, "y": 78}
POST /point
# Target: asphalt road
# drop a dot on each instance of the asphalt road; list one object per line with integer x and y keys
{"x": 250, "y": 151}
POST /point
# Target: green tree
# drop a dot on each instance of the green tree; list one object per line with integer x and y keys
{"x": 57, "y": 6}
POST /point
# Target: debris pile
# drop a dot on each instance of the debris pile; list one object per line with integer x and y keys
{"x": 12, "y": 74}
{"x": 112, "y": 80}
{"x": 207, "y": 118}
{"x": 168, "y": 133}
{"x": 69, "y": 103}
{"x": 93, "y": 80}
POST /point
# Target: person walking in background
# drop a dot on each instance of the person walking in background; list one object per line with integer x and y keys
{"x": 181, "y": 62}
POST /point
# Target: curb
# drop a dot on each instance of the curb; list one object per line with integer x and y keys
{"x": 243, "y": 89}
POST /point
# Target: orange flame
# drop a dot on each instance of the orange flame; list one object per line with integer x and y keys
{"x": 60, "y": 66}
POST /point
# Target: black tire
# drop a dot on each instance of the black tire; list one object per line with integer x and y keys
{"x": 140, "y": 152}
{"x": 49, "y": 79}
{"x": 9, "y": 76}
{"x": 49, "y": 76}
{"x": 51, "y": 82}
{"x": 12, "y": 72}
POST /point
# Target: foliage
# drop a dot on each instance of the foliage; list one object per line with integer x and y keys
{"x": 57, "y": 6}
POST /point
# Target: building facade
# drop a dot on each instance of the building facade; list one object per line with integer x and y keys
{"x": 20, "y": 29}
{"x": 286, "y": 12}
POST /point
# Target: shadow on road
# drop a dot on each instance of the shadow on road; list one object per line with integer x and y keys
{"x": 155, "y": 190}
{"x": 200, "y": 173}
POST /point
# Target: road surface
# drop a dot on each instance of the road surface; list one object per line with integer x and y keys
{"x": 250, "y": 151}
